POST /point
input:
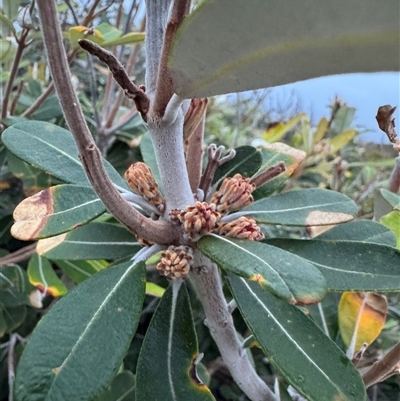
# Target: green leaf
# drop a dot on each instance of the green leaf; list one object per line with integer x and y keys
{"x": 306, "y": 207}
{"x": 14, "y": 286}
{"x": 108, "y": 31}
{"x": 128, "y": 39}
{"x": 167, "y": 363}
{"x": 54, "y": 211}
{"x": 360, "y": 231}
{"x": 49, "y": 109}
{"x": 149, "y": 157}
{"x": 277, "y": 132}
{"x": 285, "y": 275}
{"x": 123, "y": 386}
{"x": 7, "y": 24}
{"x": 342, "y": 120}
{"x": 33, "y": 178}
{"x": 308, "y": 359}
{"x": 90, "y": 242}
{"x": 392, "y": 198}
{"x": 42, "y": 276}
{"x": 339, "y": 141}
{"x": 80, "y": 270}
{"x": 8, "y": 49}
{"x": 349, "y": 266}
{"x": 11, "y": 318}
{"x": 265, "y": 49}
{"x": 52, "y": 149}
{"x": 392, "y": 221}
{"x": 273, "y": 154}
{"x": 154, "y": 290}
{"x": 246, "y": 162}
{"x": 80, "y": 343}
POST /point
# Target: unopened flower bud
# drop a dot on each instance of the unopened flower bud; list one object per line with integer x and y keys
{"x": 175, "y": 262}
{"x": 141, "y": 181}
{"x": 197, "y": 220}
{"x": 242, "y": 228}
{"x": 234, "y": 194}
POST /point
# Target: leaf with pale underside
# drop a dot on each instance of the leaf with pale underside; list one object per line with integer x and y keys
{"x": 282, "y": 273}
{"x": 306, "y": 207}
{"x": 349, "y": 266}
{"x": 54, "y": 211}
{"x": 169, "y": 353}
{"x": 90, "y": 242}
{"x": 42, "y": 275}
{"x": 79, "y": 345}
{"x": 302, "y": 353}
{"x": 51, "y": 149}
{"x": 272, "y": 43}
{"x": 392, "y": 198}
{"x": 273, "y": 154}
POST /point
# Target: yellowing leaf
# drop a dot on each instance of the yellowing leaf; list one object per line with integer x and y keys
{"x": 42, "y": 276}
{"x": 82, "y": 32}
{"x": 277, "y": 132}
{"x": 321, "y": 130}
{"x": 154, "y": 290}
{"x": 361, "y": 318}
{"x": 392, "y": 221}
{"x": 341, "y": 140}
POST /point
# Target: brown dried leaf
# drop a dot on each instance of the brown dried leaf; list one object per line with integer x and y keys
{"x": 385, "y": 121}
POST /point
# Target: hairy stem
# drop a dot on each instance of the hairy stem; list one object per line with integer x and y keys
{"x": 207, "y": 282}
{"x": 156, "y": 20}
{"x": 157, "y": 231}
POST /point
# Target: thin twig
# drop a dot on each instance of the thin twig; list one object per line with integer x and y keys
{"x": 268, "y": 174}
{"x": 13, "y": 71}
{"x": 119, "y": 74}
{"x": 18, "y": 256}
{"x": 158, "y": 231}
{"x": 90, "y": 14}
{"x": 109, "y": 119}
{"x": 388, "y": 366}
{"x": 164, "y": 89}
{"x": 119, "y": 125}
{"x": 16, "y": 97}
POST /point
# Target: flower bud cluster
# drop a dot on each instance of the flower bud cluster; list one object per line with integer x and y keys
{"x": 175, "y": 262}
{"x": 234, "y": 194}
{"x": 141, "y": 181}
{"x": 203, "y": 218}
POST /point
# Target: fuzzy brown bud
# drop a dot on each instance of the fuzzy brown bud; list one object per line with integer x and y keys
{"x": 141, "y": 181}
{"x": 234, "y": 194}
{"x": 242, "y": 228}
{"x": 175, "y": 262}
{"x": 197, "y": 220}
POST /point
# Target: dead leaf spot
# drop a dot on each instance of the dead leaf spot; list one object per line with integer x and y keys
{"x": 320, "y": 218}
{"x": 31, "y": 215}
{"x": 45, "y": 245}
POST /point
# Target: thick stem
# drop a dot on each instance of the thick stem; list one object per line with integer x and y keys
{"x": 157, "y": 231}
{"x": 207, "y": 282}
{"x": 156, "y": 20}
{"x": 168, "y": 146}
